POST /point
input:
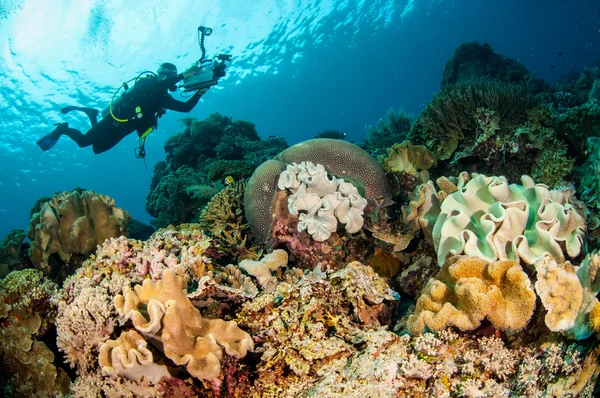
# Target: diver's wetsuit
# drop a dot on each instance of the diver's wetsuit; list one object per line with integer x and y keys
{"x": 150, "y": 94}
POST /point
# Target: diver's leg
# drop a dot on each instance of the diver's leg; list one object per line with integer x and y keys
{"x": 90, "y": 112}
{"x": 112, "y": 137}
{"x": 94, "y": 135}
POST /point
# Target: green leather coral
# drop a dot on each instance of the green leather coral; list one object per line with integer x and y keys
{"x": 489, "y": 218}
{"x": 340, "y": 158}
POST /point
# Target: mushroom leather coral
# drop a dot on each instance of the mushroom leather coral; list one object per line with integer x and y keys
{"x": 187, "y": 338}
{"x": 491, "y": 219}
{"x": 469, "y": 289}
{"x": 129, "y": 356}
{"x": 74, "y": 223}
{"x": 569, "y": 293}
{"x": 339, "y": 157}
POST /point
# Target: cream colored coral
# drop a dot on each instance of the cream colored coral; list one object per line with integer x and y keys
{"x": 186, "y": 337}
{"x": 262, "y": 269}
{"x": 469, "y": 289}
{"x": 560, "y": 292}
{"x": 568, "y": 294}
{"x": 129, "y": 356}
{"x": 494, "y": 220}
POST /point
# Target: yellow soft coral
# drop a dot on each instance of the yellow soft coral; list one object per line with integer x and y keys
{"x": 409, "y": 158}
{"x": 187, "y": 338}
{"x": 469, "y": 289}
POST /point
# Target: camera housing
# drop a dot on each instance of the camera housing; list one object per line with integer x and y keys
{"x": 209, "y": 74}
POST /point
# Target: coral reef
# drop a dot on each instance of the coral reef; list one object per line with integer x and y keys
{"x": 198, "y": 161}
{"x": 73, "y": 223}
{"x": 449, "y": 118}
{"x": 407, "y": 158}
{"x": 472, "y": 61}
{"x": 390, "y": 130}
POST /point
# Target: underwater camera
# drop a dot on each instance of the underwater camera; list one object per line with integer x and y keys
{"x": 211, "y": 70}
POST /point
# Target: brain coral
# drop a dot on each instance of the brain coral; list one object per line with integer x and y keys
{"x": 73, "y": 223}
{"x": 491, "y": 219}
{"x": 341, "y": 158}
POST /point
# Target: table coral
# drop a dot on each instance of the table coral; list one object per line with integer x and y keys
{"x": 73, "y": 223}
{"x": 186, "y": 337}
{"x": 470, "y": 289}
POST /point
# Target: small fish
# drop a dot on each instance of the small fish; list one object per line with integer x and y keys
{"x": 229, "y": 180}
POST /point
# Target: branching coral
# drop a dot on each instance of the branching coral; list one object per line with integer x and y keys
{"x": 185, "y": 336}
{"x": 470, "y": 289}
{"x": 494, "y": 220}
{"x": 73, "y": 223}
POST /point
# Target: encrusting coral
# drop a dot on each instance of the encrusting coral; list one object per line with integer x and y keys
{"x": 468, "y": 290}
{"x": 73, "y": 223}
{"x": 185, "y": 336}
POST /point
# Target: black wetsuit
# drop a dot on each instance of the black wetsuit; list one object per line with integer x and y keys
{"x": 151, "y": 96}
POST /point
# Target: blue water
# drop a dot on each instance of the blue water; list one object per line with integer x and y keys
{"x": 299, "y": 67}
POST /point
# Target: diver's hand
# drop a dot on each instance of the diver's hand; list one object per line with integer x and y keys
{"x": 191, "y": 71}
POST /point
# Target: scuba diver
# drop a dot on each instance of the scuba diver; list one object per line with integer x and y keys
{"x": 137, "y": 109}
{"x": 140, "y": 107}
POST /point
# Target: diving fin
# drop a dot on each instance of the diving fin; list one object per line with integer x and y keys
{"x": 49, "y": 140}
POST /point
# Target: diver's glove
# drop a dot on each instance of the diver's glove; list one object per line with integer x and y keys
{"x": 219, "y": 70}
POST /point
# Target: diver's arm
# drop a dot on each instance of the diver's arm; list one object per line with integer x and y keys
{"x": 180, "y": 106}
{"x": 164, "y": 85}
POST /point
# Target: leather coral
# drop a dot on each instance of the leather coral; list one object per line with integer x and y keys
{"x": 165, "y": 315}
